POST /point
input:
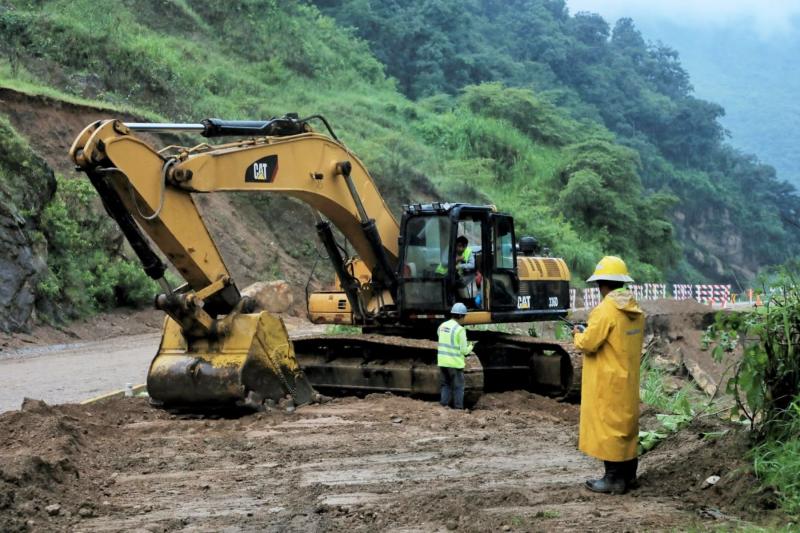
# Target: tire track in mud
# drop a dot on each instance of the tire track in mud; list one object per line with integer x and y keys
{"x": 347, "y": 465}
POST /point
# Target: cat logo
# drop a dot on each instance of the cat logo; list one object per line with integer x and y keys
{"x": 523, "y": 302}
{"x": 260, "y": 171}
{"x": 263, "y": 170}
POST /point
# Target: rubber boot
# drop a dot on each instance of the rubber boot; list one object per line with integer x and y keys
{"x": 613, "y": 482}
{"x": 630, "y": 473}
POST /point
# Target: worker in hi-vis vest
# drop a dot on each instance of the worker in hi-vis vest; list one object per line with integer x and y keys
{"x": 453, "y": 349}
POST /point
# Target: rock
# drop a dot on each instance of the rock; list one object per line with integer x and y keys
{"x": 271, "y": 296}
{"x": 397, "y": 420}
{"x": 506, "y": 528}
{"x": 53, "y": 510}
{"x": 710, "y": 481}
{"x": 30, "y": 405}
{"x": 451, "y": 525}
{"x": 86, "y": 512}
{"x": 28, "y": 185}
{"x": 24, "y": 508}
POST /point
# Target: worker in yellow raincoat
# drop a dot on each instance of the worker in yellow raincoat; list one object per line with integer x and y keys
{"x": 612, "y": 347}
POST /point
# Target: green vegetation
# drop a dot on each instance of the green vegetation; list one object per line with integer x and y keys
{"x": 724, "y": 58}
{"x": 677, "y": 408}
{"x": 599, "y": 75}
{"x": 588, "y": 136}
{"x": 87, "y": 269}
{"x": 766, "y": 383}
{"x": 341, "y": 329}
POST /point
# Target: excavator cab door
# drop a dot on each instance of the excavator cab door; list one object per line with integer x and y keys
{"x": 503, "y": 278}
{"x": 425, "y": 250}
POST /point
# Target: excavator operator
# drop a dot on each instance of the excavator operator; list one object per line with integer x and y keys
{"x": 467, "y": 273}
{"x": 465, "y": 259}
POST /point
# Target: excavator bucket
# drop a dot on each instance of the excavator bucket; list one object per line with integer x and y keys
{"x": 252, "y": 363}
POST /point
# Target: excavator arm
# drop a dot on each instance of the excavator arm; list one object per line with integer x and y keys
{"x": 138, "y": 183}
{"x": 149, "y": 191}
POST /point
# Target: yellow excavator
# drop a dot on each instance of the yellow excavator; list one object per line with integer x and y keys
{"x": 397, "y": 288}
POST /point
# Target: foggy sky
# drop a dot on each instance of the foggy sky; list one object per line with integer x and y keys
{"x": 768, "y": 18}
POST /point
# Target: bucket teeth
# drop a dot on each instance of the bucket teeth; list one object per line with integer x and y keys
{"x": 254, "y": 360}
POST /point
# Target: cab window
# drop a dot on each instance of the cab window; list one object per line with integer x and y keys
{"x": 428, "y": 243}
{"x": 503, "y": 244}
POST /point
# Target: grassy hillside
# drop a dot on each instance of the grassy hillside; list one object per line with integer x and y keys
{"x": 565, "y": 177}
{"x": 733, "y": 215}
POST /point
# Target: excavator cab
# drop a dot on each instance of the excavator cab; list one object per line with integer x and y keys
{"x": 465, "y": 253}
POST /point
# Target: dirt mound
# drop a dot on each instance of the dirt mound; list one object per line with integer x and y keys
{"x": 529, "y": 404}
{"x": 667, "y": 306}
{"x": 681, "y": 465}
{"x": 48, "y": 471}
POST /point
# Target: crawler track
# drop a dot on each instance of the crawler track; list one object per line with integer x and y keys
{"x": 361, "y": 364}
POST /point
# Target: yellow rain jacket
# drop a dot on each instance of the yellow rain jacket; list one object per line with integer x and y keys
{"x": 612, "y": 347}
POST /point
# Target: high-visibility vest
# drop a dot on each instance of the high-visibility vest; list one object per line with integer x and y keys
{"x": 453, "y": 345}
{"x": 466, "y": 254}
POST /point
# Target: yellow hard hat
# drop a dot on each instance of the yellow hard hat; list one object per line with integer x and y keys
{"x": 611, "y": 268}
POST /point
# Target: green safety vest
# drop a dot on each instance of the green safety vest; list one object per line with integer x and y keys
{"x": 465, "y": 256}
{"x": 453, "y": 345}
{"x": 441, "y": 270}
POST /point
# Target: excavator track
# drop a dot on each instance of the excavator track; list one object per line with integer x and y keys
{"x": 369, "y": 363}
{"x": 544, "y": 366}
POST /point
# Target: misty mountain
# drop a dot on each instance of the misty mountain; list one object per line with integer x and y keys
{"x": 755, "y": 78}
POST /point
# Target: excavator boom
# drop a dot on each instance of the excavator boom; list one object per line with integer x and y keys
{"x": 213, "y": 348}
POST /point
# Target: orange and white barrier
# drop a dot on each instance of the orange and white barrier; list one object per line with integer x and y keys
{"x": 713, "y": 294}
{"x": 707, "y": 294}
{"x": 591, "y": 297}
{"x": 682, "y": 292}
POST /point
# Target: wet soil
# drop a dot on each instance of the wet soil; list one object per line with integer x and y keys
{"x": 382, "y": 463}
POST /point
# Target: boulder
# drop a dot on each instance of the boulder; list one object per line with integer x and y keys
{"x": 271, "y": 296}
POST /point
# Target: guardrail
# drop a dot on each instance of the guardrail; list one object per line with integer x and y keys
{"x": 709, "y": 294}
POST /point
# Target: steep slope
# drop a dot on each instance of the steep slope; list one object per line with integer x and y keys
{"x": 255, "y": 59}
{"x": 733, "y": 215}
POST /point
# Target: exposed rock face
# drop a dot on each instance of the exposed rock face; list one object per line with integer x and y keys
{"x": 19, "y": 268}
{"x": 715, "y": 247}
{"x": 26, "y": 186}
{"x": 272, "y": 296}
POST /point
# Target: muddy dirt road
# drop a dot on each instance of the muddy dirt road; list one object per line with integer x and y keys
{"x": 382, "y": 463}
{"x": 374, "y": 464}
{"x": 74, "y": 372}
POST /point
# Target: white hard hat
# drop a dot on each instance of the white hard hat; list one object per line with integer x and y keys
{"x": 458, "y": 309}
